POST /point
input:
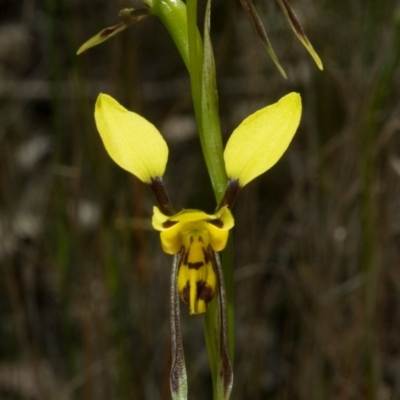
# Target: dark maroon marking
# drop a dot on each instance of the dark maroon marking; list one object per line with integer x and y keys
{"x": 109, "y": 31}
{"x": 163, "y": 201}
{"x": 211, "y": 255}
{"x": 217, "y": 222}
{"x": 231, "y": 192}
{"x": 182, "y": 252}
{"x": 185, "y": 294}
{"x": 292, "y": 16}
{"x": 185, "y": 258}
{"x": 255, "y": 20}
{"x": 206, "y": 257}
{"x": 200, "y": 239}
{"x": 191, "y": 239}
{"x": 168, "y": 224}
{"x": 195, "y": 265}
{"x": 204, "y": 292}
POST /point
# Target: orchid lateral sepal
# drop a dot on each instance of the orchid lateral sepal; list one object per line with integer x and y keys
{"x": 178, "y": 378}
{"x": 225, "y": 371}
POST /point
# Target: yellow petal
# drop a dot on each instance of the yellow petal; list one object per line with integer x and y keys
{"x": 158, "y": 219}
{"x": 219, "y": 234}
{"x": 171, "y": 239}
{"x": 131, "y": 141}
{"x": 261, "y": 139}
{"x": 180, "y": 229}
{"x": 218, "y": 237}
{"x": 226, "y": 217}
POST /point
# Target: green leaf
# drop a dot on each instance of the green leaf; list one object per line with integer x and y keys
{"x": 130, "y": 15}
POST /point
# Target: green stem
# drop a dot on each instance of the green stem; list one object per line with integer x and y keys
{"x": 195, "y": 60}
{"x": 172, "y": 14}
{"x": 181, "y": 22}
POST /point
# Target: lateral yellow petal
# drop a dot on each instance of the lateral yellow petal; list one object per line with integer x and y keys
{"x": 262, "y": 138}
{"x": 158, "y": 219}
{"x": 218, "y": 237}
{"x": 171, "y": 240}
{"x": 226, "y": 217}
{"x": 131, "y": 141}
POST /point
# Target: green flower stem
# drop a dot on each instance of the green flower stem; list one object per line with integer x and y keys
{"x": 210, "y": 134}
{"x": 181, "y": 22}
{"x": 195, "y": 60}
{"x": 172, "y": 14}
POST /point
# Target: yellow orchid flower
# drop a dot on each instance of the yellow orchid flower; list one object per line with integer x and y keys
{"x": 196, "y": 235}
{"x": 255, "y": 146}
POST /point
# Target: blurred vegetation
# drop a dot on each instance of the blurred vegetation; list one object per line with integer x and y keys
{"x": 84, "y": 283}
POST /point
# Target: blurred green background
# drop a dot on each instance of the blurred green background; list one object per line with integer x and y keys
{"x": 84, "y": 283}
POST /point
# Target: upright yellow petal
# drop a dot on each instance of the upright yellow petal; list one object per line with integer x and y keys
{"x": 131, "y": 141}
{"x": 261, "y": 139}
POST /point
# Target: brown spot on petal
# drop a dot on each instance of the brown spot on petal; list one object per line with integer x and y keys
{"x": 185, "y": 258}
{"x": 195, "y": 265}
{"x": 185, "y": 294}
{"x": 217, "y": 222}
{"x": 204, "y": 292}
{"x": 206, "y": 256}
{"x": 168, "y": 224}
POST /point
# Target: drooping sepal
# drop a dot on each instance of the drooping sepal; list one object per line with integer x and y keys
{"x": 224, "y": 368}
{"x": 178, "y": 379}
{"x": 129, "y": 15}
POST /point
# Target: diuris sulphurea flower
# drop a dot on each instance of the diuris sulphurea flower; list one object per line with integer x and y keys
{"x": 254, "y": 146}
{"x": 195, "y": 235}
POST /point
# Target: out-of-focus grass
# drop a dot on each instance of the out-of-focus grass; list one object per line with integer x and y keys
{"x": 84, "y": 284}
